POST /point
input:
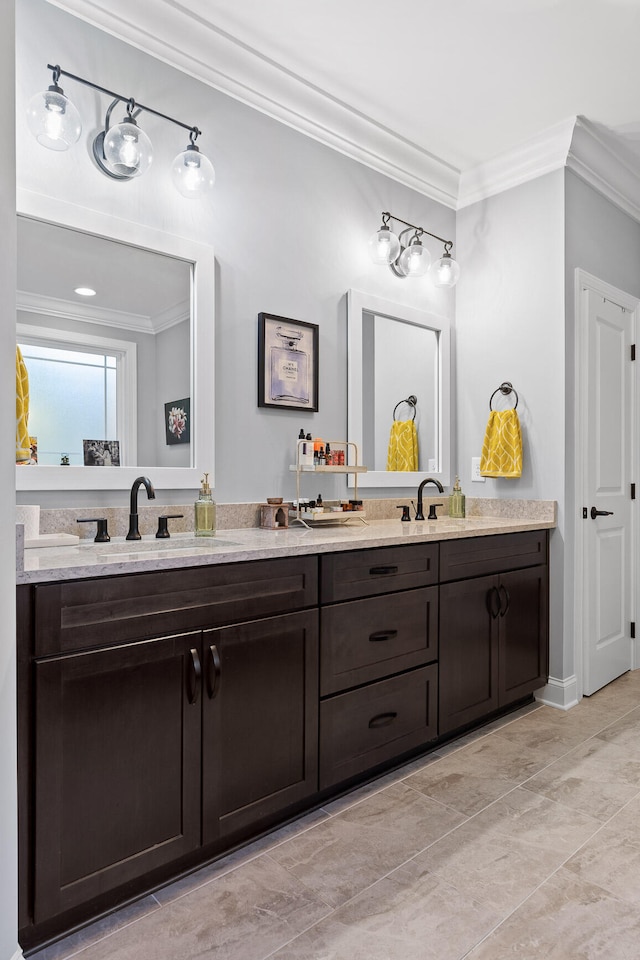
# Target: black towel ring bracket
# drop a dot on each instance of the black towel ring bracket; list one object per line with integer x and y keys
{"x": 505, "y": 388}
{"x": 411, "y": 400}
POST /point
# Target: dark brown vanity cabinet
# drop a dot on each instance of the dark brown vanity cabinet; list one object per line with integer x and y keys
{"x": 493, "y": 629}
{"x": 378, "y": 669}
{"x": 117, "y": 767}
{"x": 148, "y": 748}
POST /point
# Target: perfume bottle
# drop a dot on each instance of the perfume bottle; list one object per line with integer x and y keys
{"x": 289, "y": 367}
{"x": 205, "y": 511}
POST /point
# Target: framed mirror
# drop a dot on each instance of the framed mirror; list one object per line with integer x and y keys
{"x": 119, "y": 362}
{"x": 398, "y": 370}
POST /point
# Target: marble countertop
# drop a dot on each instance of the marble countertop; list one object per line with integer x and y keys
{"x": 88, "y": 560}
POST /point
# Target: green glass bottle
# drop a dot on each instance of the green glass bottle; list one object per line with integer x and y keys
{"x": 205, "y": 511}
{"x": 456, "y": 500}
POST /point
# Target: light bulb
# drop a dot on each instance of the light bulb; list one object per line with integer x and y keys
{"x": 192, "y": 173}
{"x": 414, "y": 260}
{"x": 445, "y": 271}
{"x": 53, "y": 119}
{"x": 384, "y": 246}
{"x": 127, "y": 149}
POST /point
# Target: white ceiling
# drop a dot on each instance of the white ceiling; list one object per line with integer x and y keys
{"x": 424, "y": 89}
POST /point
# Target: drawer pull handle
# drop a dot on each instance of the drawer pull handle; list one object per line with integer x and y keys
{"x": 382, "y": 571}
{"x": 213, "y": 671}
{"x": 382, "y": 720}
{"x": 383, "y": 635}
{"x": 195, "y": 675}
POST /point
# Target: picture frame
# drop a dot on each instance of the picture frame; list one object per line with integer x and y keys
{"x": 287, "y": 363}
{"x": 177, "y": 421}
{"x": 101, "y": 453}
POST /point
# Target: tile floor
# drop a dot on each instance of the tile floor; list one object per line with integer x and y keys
{"x": 521, "y": 840}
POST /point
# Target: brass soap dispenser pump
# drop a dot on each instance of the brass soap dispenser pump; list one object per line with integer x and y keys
{"x": 205, "y": 510}
{"x": 456, "y": 500}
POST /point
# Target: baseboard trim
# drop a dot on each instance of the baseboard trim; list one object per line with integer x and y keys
{"x": 562, "y": 694}
{"x": 18, "y": 955}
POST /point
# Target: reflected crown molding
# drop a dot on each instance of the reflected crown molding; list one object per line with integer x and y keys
{"x": 71, "y": 309}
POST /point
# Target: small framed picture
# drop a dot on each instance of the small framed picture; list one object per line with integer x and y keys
{"x": 287, "y": 363}
{"x": 101, "y": 453}
{"x": 177, "y": 421}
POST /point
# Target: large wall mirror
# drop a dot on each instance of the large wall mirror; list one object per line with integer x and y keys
{"x": 396, "y": 352}
{"x": 111, "y": 362}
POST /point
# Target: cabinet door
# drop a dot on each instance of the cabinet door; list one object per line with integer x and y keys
{"x": 523, "y": 638}
{"x": 260, "y": 720}
{"x": 117, "y": 782}
{"x": 468, "y": 658}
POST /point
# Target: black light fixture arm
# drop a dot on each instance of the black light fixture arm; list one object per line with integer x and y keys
{"x": 131, "y": 103}
{"x": 419, "y": 231}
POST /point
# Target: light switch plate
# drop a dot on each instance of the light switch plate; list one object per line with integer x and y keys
{"x": 475, "y": 471}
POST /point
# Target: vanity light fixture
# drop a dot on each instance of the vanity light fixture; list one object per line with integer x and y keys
{"x": 123, "y": 150}
{"x": 408, "y": 257}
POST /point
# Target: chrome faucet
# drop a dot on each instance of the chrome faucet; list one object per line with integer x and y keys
{"x": 134, "y": 533}
{"x": 419, "y": 513}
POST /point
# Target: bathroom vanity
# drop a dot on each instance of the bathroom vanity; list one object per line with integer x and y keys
{"x": 169, "y": 714}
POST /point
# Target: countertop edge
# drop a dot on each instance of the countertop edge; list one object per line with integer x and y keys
{"x": 50, "y": 564}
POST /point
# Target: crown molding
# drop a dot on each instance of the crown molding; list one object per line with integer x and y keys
{"x": 170, "y": 31}
{"x": 532, "y": 159}
{"x": 606, "y": 166}
{"x": 70, "y": 310}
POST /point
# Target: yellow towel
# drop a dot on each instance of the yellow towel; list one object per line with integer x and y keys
{"x": 502, "y": 447}
{"x": 403, "y": 446}
{"x": 23, "y": 447}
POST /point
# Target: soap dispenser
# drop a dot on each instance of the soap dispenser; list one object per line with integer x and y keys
{"x": 205, "y": 511}
{"x": 456, "y": 500}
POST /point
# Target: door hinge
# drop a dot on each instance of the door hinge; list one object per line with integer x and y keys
{"x": 633, "y": 491}
{"x": 633, "y": 351}
{"x": 633, "y": 630}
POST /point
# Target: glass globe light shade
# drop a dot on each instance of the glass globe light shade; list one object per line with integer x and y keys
{"x": 192, "y": 173}
{"x": 384, "y": 246}
{"x": 414, "y": 260}
{"x": 445, "y": 271}
{"x": 53, "y": 119}
{"x": 127, "y": 149}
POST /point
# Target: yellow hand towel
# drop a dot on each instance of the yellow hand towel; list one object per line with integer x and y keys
{"x": 403, "y": 446}
{"x": 23, "y": 447}
{"x": 502, "y": 447}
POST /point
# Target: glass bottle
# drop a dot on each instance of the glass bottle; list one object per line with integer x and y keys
{"x": 205, "y": 511}
{"x": 456, "y": 500}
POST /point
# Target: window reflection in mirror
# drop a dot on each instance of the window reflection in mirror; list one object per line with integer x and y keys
{"x": 140, "y": 315}
{"x": 396, "y": 351}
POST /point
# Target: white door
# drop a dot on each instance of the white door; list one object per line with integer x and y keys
{"x": 608, "y": 434}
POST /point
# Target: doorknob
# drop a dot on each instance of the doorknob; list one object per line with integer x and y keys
{"x": 600, "y": 513}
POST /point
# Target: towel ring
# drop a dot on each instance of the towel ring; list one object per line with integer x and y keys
{"x": 411, "y": 400}
{"x": 504, "y": 388}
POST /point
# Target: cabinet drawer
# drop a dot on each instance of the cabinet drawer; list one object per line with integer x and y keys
{"x": 365, "y": 727}
{"x": 366, "y": 640}
{"x": 366, "y": 573}
{"x": 479, "y": 556}
{"x": 86, "y": 613}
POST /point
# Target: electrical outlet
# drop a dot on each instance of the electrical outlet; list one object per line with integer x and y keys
{"x": 475, "y": 471}
{"x": 432, "y": 466}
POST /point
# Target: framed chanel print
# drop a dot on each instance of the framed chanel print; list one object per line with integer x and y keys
{"x": 287, "y": 363}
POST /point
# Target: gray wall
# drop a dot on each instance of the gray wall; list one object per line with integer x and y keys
{"x": 289, "y": 222}
{"x": 8, "y": 841}
{"x": 510, "y": 326}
